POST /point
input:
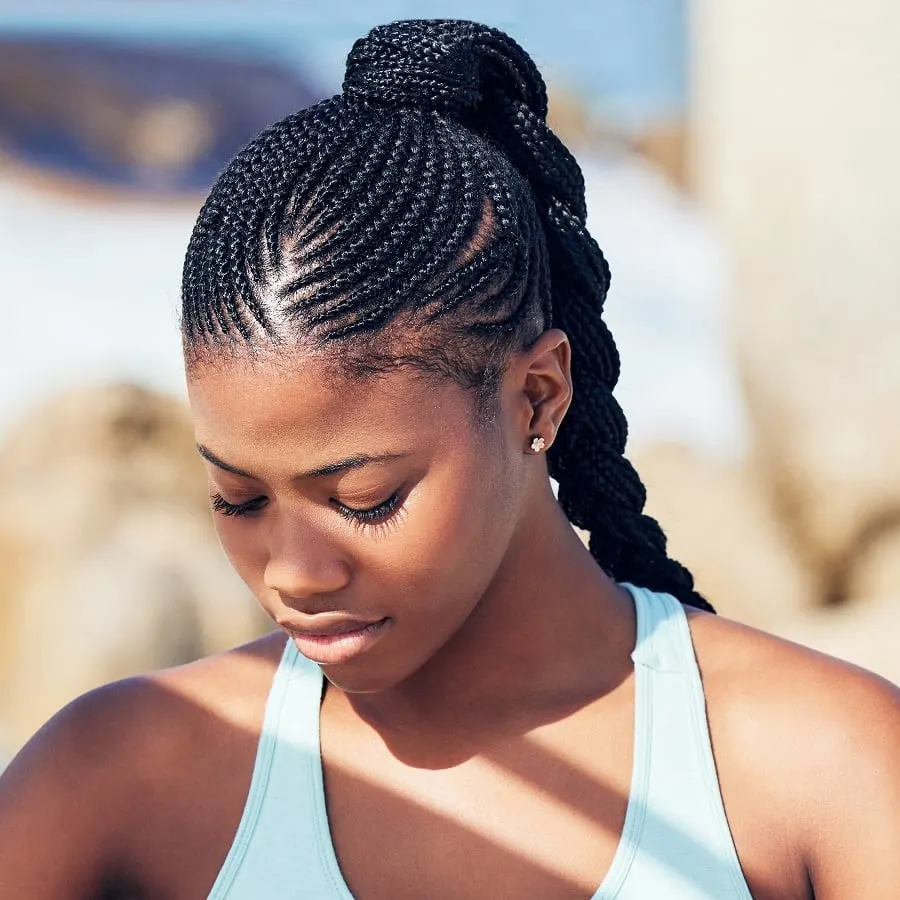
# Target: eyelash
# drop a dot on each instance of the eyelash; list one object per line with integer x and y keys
{"x": 221, "y": 505}
{"x": 375, "y": 515}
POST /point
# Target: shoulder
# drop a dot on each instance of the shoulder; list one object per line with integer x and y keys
{"x": 229, "y": 687}
{"x": 145, "y": 717}
{"x": 107, "y": 757}
{"x": 816, "y": 738}
{"x": 757, "y": 679}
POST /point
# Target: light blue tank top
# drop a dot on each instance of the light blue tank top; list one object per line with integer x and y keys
{"x": 675, "y": 843}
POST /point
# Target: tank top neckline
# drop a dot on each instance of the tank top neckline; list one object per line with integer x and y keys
{"x": 652, "y": 656}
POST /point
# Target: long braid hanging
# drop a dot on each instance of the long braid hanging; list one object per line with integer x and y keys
{"x": 381, "y": 188}
{"x": 599, "y": 489}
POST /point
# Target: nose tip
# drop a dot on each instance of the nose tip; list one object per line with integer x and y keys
{"x": 300, "y": 587}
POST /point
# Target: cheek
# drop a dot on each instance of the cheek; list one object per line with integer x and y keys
{"x": 242, "y": 541}
{"x": 433, "y": 567}
{"x": 457, "y": 528}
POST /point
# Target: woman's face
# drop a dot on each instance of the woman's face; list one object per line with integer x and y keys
{"x": 368, "y": 517}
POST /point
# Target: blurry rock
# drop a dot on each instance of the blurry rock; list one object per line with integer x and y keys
{"x": 794, "y": 146}
{"x": 663, "y": 143}
{"x": 863, "y": 632}
{"x": 832, "y": 453}
{"x": 875, "y": 570}
{"x": 720, "y": 525}
{"x": 14, "y": 564}
{"x": 108, "y": 561}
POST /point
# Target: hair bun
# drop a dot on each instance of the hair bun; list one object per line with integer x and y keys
{"x": 416, "y": 63}
{"x": 444, "y": 64}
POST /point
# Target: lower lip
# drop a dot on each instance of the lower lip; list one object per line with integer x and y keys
{"x": 334, "y": 649}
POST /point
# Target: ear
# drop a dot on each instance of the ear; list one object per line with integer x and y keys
{"x": 542, "y": 380}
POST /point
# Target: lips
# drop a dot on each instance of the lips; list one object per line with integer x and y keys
{"x": 333, "y": 640}
{"x": 327, "y": 625}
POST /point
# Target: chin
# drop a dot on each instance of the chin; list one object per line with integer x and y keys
{"x": 359, "y": 678}
{"x": 358, "y": 683}
{"x": 392, "y": 663}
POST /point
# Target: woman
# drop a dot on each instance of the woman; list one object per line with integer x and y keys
{"x": 392, "y": 332}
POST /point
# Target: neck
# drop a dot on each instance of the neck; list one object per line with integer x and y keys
{"x": 551, "y": 634}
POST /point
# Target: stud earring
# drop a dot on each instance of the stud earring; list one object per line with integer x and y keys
{"x": 538, "y": 444}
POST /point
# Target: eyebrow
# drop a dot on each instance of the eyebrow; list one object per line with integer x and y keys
{"x": 342, "y": 465}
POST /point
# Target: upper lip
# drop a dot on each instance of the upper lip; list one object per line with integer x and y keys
{"x": 328, "y": 624}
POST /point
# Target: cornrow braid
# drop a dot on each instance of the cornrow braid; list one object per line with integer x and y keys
{"x": 431, "y": 190}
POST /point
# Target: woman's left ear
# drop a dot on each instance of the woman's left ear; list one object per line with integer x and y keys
{"x": 545, "y": 388}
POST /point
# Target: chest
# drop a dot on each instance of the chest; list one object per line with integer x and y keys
{"x": 538, "y": 816}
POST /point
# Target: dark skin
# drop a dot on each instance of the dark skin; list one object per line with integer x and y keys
{"x": 504, "y": 673}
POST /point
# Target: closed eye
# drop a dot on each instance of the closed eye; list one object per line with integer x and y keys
{"x": 373, "y": 515}
{"x": 221, "y": 505}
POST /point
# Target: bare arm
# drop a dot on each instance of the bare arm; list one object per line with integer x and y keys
{"x": 855, "y": 814}
{"x": 63, "y": 803}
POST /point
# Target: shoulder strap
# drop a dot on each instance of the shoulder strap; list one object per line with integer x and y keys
{"x": 283, "y": 834}
{"x": 685, "y": 848}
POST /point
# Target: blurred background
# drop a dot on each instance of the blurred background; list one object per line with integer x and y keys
{"x": 741, "y": 167}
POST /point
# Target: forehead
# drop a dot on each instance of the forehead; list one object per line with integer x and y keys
{"x": 245, "y": 406}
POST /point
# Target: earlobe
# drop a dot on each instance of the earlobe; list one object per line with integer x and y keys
{"x": 547, "y": 387}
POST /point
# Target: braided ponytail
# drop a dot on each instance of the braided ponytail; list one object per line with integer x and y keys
{"x": 374, "y": 202}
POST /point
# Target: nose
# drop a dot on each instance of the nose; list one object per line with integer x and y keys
{"x": 303, "y": 565}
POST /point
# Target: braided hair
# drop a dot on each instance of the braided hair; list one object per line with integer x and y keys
{"x": 427, "y": 216}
